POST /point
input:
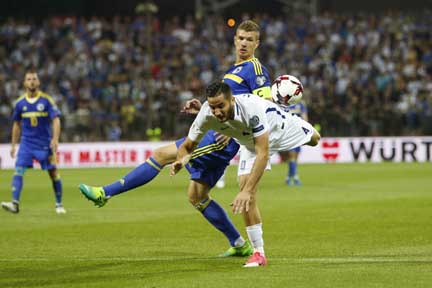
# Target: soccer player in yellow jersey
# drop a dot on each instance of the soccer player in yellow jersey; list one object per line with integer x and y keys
{"x": 37, "y": 120}
{"x": 247, "y": 75}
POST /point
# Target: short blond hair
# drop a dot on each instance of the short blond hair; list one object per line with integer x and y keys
{"x": 249, "y": 26}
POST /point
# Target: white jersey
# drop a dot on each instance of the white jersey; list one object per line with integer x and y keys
{"x": 254, "y": 116}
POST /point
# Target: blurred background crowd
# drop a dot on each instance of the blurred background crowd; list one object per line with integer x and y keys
{"x": 364, "y": 74}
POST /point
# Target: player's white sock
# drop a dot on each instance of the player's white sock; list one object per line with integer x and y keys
{"x": 239, "y": 242}
{"x": 255, "y": 233}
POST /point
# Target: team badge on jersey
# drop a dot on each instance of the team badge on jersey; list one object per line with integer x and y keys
{"x": 40, "y": 107}
{"x": 254, "y": 121}
{"x": 260, "y": 80}
{"x": 237, "y": 70}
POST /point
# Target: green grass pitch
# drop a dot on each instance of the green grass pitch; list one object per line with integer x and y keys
{"x": 349, "y": 225}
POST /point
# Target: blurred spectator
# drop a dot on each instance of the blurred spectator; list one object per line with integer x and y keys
{"x": 113, "y": 131}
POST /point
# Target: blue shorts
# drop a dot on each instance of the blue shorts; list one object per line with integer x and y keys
{"x": 298, "y": 149}
{"x": 43, "y": 155}
{"x": 210, "y": 159}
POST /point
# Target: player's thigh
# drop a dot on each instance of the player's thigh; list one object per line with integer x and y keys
{"x": 24, "y": 157}
{"x": 47, "y": 159}
{"x": 316, "y": 137}
{"x": 293, "y": 154}
{"x": 53, "y": 173}
{"x": 166, "y": 154}
{"x": 198, "y": 191}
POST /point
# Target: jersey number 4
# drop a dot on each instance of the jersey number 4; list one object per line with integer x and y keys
{"x": 306, "y": 131}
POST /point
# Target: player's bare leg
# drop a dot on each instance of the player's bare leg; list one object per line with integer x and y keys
{"x": 166, "y": 154}
{"x": 253, "y": 223}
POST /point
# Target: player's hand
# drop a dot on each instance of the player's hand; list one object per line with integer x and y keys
{"x": 54, "y": 146}
{"x": 12, "y": 151}
{"x": 191, "y": 107}
{"x": 241, "y": 202}
{"x": 176, "y": 167}
{"x": 222, "y": 139}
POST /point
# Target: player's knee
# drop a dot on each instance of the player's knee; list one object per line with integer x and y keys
{"x": 292, "y": 156}
{"x": 19, "y": 171}
{"x": 316, "y": 137}
{"x": 54, "y": 175}
{"x": 200, "y": 203}
{"x": 164, "y": 156}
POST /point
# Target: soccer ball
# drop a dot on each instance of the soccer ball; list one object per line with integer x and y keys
{"x": 286, "y": 90}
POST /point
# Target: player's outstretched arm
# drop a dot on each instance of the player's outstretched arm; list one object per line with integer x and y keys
{"x": 184, "y": 154}
{"x": 242, "y": 200}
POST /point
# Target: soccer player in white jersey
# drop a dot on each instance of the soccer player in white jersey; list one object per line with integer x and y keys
{"x": 261, "y": 128}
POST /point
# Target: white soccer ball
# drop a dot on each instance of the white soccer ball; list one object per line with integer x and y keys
{"x": 286, "y": 90}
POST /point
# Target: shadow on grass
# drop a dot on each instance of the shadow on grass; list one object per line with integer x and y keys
{"x": 102, "y": 273}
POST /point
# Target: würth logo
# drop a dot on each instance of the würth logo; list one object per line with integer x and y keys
{"x": 330, "y": 150}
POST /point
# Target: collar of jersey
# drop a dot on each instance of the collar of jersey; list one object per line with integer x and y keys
{"x": 248, "y": 60}
{"x": 34, "y": 99}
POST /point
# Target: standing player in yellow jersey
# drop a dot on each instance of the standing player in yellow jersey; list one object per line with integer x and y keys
{"x": 247, "y": 75}
{"x": 37, "y": 120}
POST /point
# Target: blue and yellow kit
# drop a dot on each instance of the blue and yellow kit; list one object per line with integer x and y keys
{"x": 35, "y": 115}
{"x": 210, "y": 159}
{"x": 248, "y": 77}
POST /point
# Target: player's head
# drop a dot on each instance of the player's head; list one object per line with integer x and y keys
{"x": 220, "y": 100}
{"x": 246, "y": 40}
{"x": 31, "y": 81}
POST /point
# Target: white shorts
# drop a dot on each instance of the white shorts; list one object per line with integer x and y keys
{"x": 297, "y": 133}
{"x": 247, "y": 160}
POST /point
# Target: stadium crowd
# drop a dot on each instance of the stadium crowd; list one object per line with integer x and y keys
{"x": 365, "y": 75}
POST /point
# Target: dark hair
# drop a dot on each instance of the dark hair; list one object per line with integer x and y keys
{"x": 218, "y": 87}
{"x": 30, "y": 71}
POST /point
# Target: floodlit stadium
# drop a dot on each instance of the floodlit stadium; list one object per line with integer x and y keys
{"x": 101, "y": 94}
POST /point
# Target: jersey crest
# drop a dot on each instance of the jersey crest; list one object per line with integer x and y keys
{"x": 260, "y": 80}
{"x": 254, "y": 121}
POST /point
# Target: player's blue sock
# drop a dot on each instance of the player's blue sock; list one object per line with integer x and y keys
{"x": 292, "y": 170}
{"x": 137, "y": 177}
{"x": 58, "y": 190}
{"x": 17, "y": 184}
{"x": 217, "y": 216}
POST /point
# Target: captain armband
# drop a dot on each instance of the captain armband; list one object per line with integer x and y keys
{"x": 263, "y": 92}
